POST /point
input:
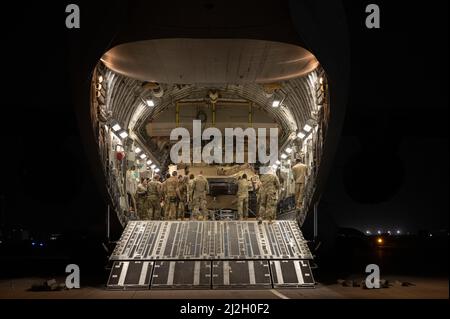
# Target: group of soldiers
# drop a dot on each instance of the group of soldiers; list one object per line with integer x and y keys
{"x": 178, "y": 194}
{"x": 171, "y": 199}
{"x": 268, "y": 190}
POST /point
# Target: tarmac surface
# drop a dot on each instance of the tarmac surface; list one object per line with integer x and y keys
{"x": 422, "y": 288}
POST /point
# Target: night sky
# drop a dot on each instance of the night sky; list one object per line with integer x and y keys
{"x": 391, "y": 168}
{"x": 390, "y": 171}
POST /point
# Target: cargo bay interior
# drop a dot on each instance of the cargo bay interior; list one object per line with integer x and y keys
{"x": 142, "y": 90}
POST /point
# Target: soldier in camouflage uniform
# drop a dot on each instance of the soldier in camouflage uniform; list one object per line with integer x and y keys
{"x": 200, "y": 188}
{"x": 171, "y": 196}
{"x": 299, "y": 170}
{"x": 154, "y": 194}
{"x": 268, "y": 200}
{"x": 242, "y": 197}
{"x": 182, "y": 186}
{"x": 141, "y": 200}
{"x": 189, "y": 193}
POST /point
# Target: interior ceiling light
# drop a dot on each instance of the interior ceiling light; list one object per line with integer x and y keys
{"x": 149, "y": 162}
{"x": 143, "y": 156}
{"x": 301, "y": 135}
{"x": 137, "y": 150}
{"x": 307, "y": 128}
{"x": 123, "y": 134}
{"x": 276, "y": 103}
{"x": 150, "y": 103}
{"x": 289, "y": 150}
{"x": 116, "y": 127}
{"x": 283, "y": 156}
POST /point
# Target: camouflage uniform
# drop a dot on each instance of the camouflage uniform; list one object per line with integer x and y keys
{"x": 171, "y": 194}
{"x": 256, "y": 184}
{"x": 182, "y": 186}
{"x": 242, "y": 196}
{"x": 141, "y": 201}
{"x": 154, "y": 190}
{"x": 200, "y": 188}
{"x": 299, "y": 171}
{"x": 268, "y": 200}
{"x": 190, "y": 184}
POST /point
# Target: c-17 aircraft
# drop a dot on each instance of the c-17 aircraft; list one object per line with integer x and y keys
{"x": 277, "y": 65}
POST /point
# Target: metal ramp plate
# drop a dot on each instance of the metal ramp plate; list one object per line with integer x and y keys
{"x": 130, "y": 275}
{"x": 241, "y": 274}
{"x": 181, "y": 274}
{"x": 211, "y": 240}
{"x": 291, "y": 273}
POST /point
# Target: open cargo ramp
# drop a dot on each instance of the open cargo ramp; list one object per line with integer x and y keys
{"x": 210, "y": 255}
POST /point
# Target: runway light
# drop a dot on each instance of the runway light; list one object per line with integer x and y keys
{"x": 123, "y": 134}
{"x": 116, "y": 128}
{"x": 283, "y": 156}
{"x": 398, "y": 232}
{"x": 275, "y": 103}
{"x": 307, "y": 128}
{"x": 153, "y": 166}
{"x": 143, "y": 156}
{"x": 368, "y": 232}
{"x": 379, "y": 232}
{"x": 380, "y": 241}
{"x": 278, "y": 162}
{"x": 301, "y": 135}
{"x": 389, "y": 232}
{"x": 149, "y": 162}
{"x": 137, "y": 150}
{"x": 289, "y": 150}
{"x": 150, "y": 103}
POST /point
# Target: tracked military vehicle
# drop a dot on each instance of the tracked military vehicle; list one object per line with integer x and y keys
{"x": 221, "y": 199}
